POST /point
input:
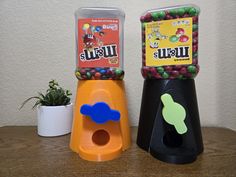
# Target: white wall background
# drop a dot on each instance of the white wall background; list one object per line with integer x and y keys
{"x": 37, "y": 43}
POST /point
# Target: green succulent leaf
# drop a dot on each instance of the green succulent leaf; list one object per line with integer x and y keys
{"x": 27, "y": 100}
{"x": 54, "y": 96}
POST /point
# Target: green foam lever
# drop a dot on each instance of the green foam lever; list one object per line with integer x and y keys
{"x": 174, "y": 113}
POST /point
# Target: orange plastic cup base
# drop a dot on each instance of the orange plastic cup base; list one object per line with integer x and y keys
{"x": 90, "y": 156}
{"x": 100, "y": 142}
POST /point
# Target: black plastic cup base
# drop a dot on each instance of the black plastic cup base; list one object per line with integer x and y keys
{"x": 175, "y": 159}
{"x": 160, "y": 138}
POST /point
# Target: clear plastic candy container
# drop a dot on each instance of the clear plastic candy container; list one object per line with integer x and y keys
{"x": 99, "y": 43}
{"x": 170, "y": 43}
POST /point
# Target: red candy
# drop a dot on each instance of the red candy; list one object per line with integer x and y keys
{"x": 168, "y": 17}
{"x": 185, "y": 15}
{"x": 93, "y": 71}
{"x": 195, "y": 61}
{"x": 175, "y": 73}
{"x": 168, "y": 68}
{"x": 195, "y": 34}
{"x": 195, "y": 48}
{"x": 97, "y": 75}
{"x": 183, "y": 38}
{"x": 143, "y": 50}
{"x": 157, "y": 76}
{"x": 144, "y": 56}
{"x": 195, "y": 40}
{"x": 153, "y": 71}
{"x": 180, "y": 31}
{"x": 183, "y": 71}
{"x": 195, "y": 19}
{"x": 82, "y": 71}
{"x": 177, "y": 67}
{"x": 109, "y": 72}
{"x": 144, "y": 71}
{"x": 142, "y": 18}
{"x": 189, "y": 75}
{"x": 148, "y": 17}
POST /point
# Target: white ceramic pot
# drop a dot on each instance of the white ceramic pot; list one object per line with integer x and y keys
{"x": 54, "y": 120}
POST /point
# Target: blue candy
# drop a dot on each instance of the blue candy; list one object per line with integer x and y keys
{"x": 98, "y": 69}
{"x": 98, "y": 28}
{"x": 103, "y": 71}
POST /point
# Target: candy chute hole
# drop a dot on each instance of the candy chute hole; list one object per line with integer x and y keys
{"x": 100, "y": 137}
{"x": 172, "y": 139}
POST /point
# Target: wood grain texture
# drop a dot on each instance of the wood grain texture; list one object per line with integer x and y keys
{"x": 24, "y": 154}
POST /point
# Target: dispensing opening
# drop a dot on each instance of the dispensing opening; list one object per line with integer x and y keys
{"x": 100, "y": 137}
{"x": 172, "y": 139}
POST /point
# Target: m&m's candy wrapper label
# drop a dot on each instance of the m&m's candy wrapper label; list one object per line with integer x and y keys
{"x": 169, "y": 42}
{"x": 98, "y": 42}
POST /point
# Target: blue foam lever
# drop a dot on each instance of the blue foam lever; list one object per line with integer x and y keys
{"x": 100, "y": 112}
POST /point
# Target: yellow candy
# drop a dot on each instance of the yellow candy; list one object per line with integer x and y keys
{"x": 86, "y": 26}
{"x": 77, "y": 74}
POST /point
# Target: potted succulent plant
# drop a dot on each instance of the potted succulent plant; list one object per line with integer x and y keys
{"x": 54, "y": 111}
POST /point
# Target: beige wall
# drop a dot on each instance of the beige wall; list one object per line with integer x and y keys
{"x": 37, "y": 44}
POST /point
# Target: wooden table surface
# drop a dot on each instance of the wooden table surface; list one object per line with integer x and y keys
{"x": 24, "y": 154}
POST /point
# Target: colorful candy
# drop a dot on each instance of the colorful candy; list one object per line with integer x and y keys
{"x": 98, "y": 28}
{"x": 86, "y": 27}
{"x": 174, "y": 38}
{"x": 183, "y": 38}
{"x": 182, "y": 71}
{"x": 99, "y": 73}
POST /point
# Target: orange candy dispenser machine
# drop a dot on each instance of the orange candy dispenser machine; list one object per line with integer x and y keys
{"x": 100, "y": 129}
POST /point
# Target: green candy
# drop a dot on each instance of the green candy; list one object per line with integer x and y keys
{"x": 165, "y": 75}
{"x": 160, "y": 69}
{"x": 143, "y": 25}
{"x": 173, "y": 12}
{"x": 143, "y": 44}
{"x": 187, "y": 9}
{"x": 194, "y": 75}
{"x": 118, "y": 72}
{"x": 161, "y": 14}
{"x": 193, "y": 11}
{"x": 155, "y": 16}
{"x": 88, "y": 74}
{"x": 180, "y": 76}
{"x": 192, "y": 69}
{"x": 195, "y": 27}
{"x": 174, "y": 38}
{"x": 195, "y": 54}
{"x": 180, "y": 11}
{"x": 197, "y": 11}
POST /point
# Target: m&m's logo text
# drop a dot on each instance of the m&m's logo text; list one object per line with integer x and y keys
{"x": 99, "y": 53}
{"x": 113, "y": 27}
{"x": 179, "y": 53}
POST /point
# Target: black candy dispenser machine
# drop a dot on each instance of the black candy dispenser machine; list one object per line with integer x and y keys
{"x": 169, "y": 125}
